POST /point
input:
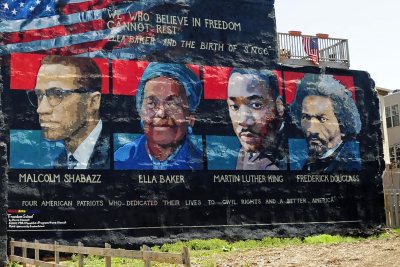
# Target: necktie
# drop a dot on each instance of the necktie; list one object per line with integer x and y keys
{"x": 72, "y": 162}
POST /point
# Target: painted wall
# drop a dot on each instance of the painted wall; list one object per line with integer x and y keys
{"x": 393, "y": 136}
{"x": 182, "y": 126}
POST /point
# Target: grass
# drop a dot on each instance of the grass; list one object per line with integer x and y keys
{"x": 330, "y": 239}
{"x": 96, "y": 261}
{"x": 204, "y": 252}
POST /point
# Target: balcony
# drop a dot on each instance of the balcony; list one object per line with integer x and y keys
{"x": 332, "y": 52}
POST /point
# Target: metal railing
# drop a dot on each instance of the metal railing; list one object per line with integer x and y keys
{"x": 333, "y": 52}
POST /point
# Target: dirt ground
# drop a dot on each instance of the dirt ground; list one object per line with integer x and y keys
{"x": 368, "y": 253}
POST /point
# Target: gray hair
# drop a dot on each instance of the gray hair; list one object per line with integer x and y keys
{"x": 325, "y": 85}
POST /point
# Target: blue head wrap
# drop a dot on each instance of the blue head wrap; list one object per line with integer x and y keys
{"x": 178, "y": 72}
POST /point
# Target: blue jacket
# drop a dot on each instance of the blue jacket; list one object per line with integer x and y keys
{"x": 134, "y": 156}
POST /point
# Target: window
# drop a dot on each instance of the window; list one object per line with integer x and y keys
{"x": 392, "y": 155}
{"x": 392, "y": 116}
{"x": 395, "y": 115}
{"x": 394, "y": 152}
{"x": 388, "y": 118}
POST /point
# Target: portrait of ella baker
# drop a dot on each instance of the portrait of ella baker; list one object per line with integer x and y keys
{"x": 166, "y": 100}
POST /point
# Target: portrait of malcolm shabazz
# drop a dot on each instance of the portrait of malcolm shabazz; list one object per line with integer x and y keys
{"x": 67, "y": 99}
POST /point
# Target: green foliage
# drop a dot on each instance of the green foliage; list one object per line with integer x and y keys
{"x": 195, "y": 244}
{"x": 228, "y": 248}
{"x": 247, "y": 244}
{"x": 205, "y": 263}
{"x": 13, "y": 264}
{"x": 97, "y": 261}
{"x": 266, "y": 242}
{"x": 219, "y": 245}
{"x": 380, "y": 236}
{"x": 329, "y": 239}
{"x": 275, "y": 241}
{"x": 203, "y": 252}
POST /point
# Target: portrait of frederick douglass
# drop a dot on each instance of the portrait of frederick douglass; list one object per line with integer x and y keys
{"x": 326, "y": 113}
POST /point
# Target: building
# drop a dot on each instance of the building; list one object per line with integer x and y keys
{"x": 334, "y": 53}
{"x": 329, "y": 52}
{"x": 382, "y": 92}
{"x": 392, "y": 121}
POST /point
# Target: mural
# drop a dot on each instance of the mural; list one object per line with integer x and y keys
{"x": 166, "y": 98}
{"x": 172, "y": 118}
{"x": 67, "y": 99}
{"x": 253, "y": 111}
{"x": 326, "y": 114}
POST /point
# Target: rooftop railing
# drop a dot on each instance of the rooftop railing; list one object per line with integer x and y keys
{"x": 332, "y": 52}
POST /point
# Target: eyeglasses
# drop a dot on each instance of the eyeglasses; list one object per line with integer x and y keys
{"x": 151, "y": 106}
{"x": 54, "y": 96}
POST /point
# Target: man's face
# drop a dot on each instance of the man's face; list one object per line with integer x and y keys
{"x": 251, "y": 108}
{"x": 61, "y": 121}
{"x": 320, "y": 125}
{"x": 164, "y": 111}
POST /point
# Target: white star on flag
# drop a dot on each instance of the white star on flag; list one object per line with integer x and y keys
{"x": 5, "y": 6}
{"x": 31, "y": 8}
{"x": 14, "y": 12}
{"x": 37, "y": 2}
{"x": 48, "y": 8}
{"x": 21, "y": 4}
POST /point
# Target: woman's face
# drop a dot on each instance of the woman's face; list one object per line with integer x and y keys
{"x": 165, "y": 111}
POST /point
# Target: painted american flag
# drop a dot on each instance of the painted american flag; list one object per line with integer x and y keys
{"x": 310, "y": 45}
{"x": 71, "y": 27}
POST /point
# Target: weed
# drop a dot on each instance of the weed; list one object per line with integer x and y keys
{"x": 13, "y": 264}
{"x": 329, "y": 239}
{"x": 204, "y": 252}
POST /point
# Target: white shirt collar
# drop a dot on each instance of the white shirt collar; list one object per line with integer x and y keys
{"x": 331, "y": 151}
{"x": 84, "y": 151}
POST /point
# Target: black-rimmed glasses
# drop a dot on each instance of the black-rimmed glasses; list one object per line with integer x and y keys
{"x": 54, "y": 96}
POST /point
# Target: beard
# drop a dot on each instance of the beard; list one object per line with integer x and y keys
{"x": 316, "y": 147}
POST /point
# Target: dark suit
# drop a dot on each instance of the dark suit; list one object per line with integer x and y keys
{"x": 99, "y": 159}
{"x": 345, "y": 158}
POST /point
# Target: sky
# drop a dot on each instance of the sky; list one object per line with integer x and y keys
{"x": 372, "y": 28}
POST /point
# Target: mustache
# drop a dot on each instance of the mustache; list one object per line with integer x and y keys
{"x": 315, "y": 136}
{"x": 47, "y": 120}
{"x": 247, "y": 131}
